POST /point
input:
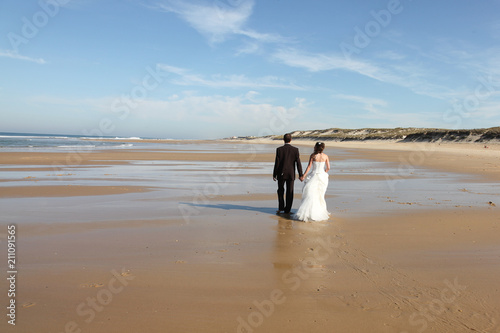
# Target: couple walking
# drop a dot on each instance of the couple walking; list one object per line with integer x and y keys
{"x": 313, "y": 205}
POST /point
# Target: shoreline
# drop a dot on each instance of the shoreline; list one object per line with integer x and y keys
{"x": 473, "y": 158}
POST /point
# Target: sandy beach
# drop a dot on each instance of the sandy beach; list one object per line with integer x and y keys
{"x": 183, "y": 237}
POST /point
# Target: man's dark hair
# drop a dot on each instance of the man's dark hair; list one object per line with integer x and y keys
{"x": 287, "y": 138}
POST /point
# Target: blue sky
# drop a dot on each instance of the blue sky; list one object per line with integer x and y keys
{"x": 219, "y": 68}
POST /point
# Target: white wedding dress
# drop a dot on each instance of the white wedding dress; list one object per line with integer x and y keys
{"x": 313, "y": 205}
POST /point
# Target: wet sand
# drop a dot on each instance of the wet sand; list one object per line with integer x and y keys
{"x": 65, "y": 191}
{"x": 187, "y": 241}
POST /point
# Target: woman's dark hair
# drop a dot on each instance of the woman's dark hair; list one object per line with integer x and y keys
{"x": 319, "y": 147}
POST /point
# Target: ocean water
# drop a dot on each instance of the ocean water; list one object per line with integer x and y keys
{"x": 40, "y": 142}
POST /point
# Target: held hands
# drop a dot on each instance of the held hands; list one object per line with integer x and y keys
{"x": 301, "y": 178}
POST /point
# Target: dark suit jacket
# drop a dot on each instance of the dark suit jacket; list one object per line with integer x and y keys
{"x": 287, "y": 157}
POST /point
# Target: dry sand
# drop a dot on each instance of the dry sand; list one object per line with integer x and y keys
{"x": 237, "y": 267}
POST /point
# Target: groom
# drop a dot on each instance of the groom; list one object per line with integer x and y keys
{"x": 287, "y": 156}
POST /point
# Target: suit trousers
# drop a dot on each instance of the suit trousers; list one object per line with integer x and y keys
{"x": 285, "y": 204}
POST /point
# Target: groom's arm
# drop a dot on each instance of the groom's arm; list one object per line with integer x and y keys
{"x": 276, "y": 164}
{"x": 299, "y": 165}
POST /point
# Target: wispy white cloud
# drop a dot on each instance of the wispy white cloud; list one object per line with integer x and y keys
{"x": 403, "y": 74}
{"x": 391, "y": 55}
{"x": 380, "y": 115}
{"x": 209, "y": 116}
{"x": 325, "y": 62}
{"x": 263, "y": 37}
{"x": 399, "y": 119}
{"x": 17, "y": 56}
{"x": 217, "y": 20}
{"x": 249, "y": 48}
{"x": 464, "y": 68}
{"x": 369, "y": 104}
{"x": 489, "y": 109}
{"x": 226, "y": 115}
{"x": 186, "y": 78}
{"x": 448, "y": 68}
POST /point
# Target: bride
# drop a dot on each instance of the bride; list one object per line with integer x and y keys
{"x": 313, "y": 205}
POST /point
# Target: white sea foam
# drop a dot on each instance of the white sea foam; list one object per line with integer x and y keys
{"x": 130, "y": 138}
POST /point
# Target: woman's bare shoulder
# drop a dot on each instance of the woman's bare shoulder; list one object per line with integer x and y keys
{"x": 320, "y": 157}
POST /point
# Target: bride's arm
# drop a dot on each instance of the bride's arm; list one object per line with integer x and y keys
{"x": 327, "y": 164}
{"x": 308, "y": 167}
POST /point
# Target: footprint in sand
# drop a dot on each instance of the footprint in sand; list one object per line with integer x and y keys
{"x": 91, "y": 285}
{"x": 28, "y": 305}
{"x": 127, "y": 273}
{"x": 180, "y": 262}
